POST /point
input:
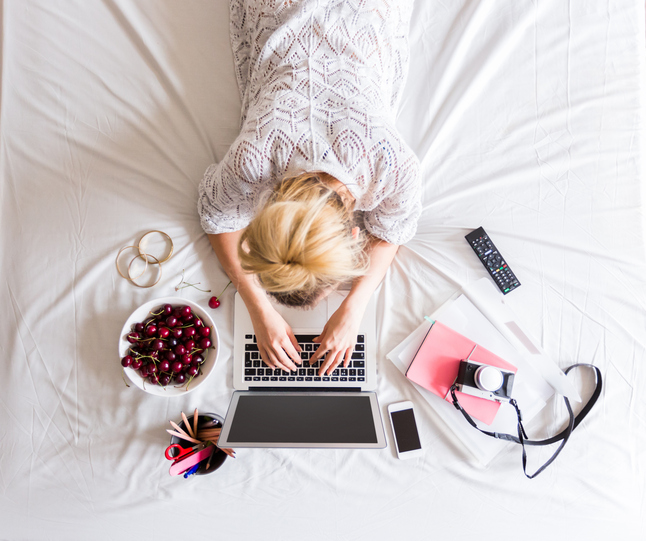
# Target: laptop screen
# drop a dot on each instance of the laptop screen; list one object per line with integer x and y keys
{"x": 303, "y": 420}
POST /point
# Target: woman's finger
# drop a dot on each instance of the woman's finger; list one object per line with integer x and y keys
{"x": 347, "y": 356}
{"x": 273, "y": 363}
{"x": 286, "y": 360}
{"x": 318, "y": 354}
{"x": 326, "y": 363}
{"x": 296, "y": 353}
{"x": 273, "y": 360}
{"x": 336, "y": 358}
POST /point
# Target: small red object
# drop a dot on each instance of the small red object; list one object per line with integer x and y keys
{"x": 181, "y": 452}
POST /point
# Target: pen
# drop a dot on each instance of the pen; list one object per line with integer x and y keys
{"x": 191, "y": 471}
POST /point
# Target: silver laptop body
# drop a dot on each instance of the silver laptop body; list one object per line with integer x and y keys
{"x": 272, "y": 408}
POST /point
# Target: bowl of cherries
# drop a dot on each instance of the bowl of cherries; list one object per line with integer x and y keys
{"x": 168, "y": 346}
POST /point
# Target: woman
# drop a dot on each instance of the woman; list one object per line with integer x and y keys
{"x": 319, "y": 82}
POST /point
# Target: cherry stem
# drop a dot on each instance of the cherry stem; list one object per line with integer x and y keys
{"x": 124, "y": 379}
{"x": 182, "y": 285}
{"x": 225, "y": 288}
{"x": 186, "y": 284}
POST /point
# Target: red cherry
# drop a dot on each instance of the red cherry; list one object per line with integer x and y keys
{"x": 177, "y": 367}
{"x": 126, "y": 361}
{"x": 205, "y": 343}
{"x": 163, "y": 332}
{"x": 151, "y": 330}
{"x": 214, "y": 302}
{"x": 193, "y": 371}
{"x": 205, "y": 331}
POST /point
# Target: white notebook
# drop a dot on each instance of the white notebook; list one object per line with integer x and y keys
{"x": 530, "y": 389}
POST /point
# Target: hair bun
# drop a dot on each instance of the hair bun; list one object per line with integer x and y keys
{"x": 301, "y": 240}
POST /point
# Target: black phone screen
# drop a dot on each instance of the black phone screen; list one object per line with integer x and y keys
{"x": 405, "y": 430}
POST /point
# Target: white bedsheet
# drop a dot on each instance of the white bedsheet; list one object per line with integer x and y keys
{"x": 528, "y": 118}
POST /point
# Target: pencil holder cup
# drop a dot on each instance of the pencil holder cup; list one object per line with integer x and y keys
{"x": 218, "y": 457}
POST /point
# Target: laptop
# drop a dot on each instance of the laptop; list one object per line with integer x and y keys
{"x": 274, "y": 408}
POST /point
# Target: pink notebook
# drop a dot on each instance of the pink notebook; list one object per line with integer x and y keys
{"x": 435, "y": 367}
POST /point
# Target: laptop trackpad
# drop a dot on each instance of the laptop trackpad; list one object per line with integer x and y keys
{"x": 311, "y": 318}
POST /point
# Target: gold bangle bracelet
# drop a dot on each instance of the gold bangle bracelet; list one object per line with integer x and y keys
{"x": 119, "y": 270}
{"x": 145, "y": 255}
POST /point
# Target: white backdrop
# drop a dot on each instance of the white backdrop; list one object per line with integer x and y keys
{"x": 528, "y": 118}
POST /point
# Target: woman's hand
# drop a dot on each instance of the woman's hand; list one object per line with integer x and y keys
{"x": 338, "y": 338}
{"x": 276, "y": 341}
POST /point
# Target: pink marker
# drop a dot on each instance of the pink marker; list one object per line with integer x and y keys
{"x": 180, "y": 466}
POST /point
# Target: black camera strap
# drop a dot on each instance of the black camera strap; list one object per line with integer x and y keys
{"x": 522, "y": 438}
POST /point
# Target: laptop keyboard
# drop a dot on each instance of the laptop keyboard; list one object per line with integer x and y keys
{"x": 256, "y": 370}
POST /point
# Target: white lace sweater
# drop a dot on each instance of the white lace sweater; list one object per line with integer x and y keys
{"x": 319, "y": 81}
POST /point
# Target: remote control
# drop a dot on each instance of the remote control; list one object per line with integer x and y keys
{"x": 492, "y": 260}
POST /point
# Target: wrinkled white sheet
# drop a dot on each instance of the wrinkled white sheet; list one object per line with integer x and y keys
{"x": 528, "y": 118}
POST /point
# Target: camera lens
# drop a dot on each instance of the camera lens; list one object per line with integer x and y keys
{"x": 488, "y": 378}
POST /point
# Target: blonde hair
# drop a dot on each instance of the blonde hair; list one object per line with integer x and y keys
{"x": 301, "y": 243}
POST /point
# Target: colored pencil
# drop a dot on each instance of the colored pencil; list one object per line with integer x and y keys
{"x": 182, "y": 436}
{"x": 187, "y": 425}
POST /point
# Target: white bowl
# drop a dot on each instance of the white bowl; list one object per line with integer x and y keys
{"x": 172, "y": 389}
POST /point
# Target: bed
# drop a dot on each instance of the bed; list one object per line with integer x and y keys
{"x": 528, "y": 119}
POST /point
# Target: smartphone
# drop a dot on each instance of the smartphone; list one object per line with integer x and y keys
{"x": 402, "y": 420}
